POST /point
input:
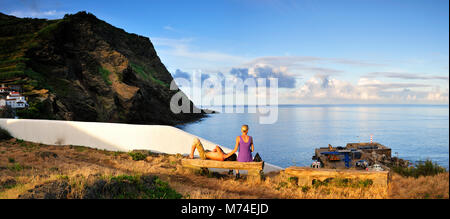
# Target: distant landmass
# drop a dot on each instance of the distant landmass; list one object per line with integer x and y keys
{"x": 84, "y": 69}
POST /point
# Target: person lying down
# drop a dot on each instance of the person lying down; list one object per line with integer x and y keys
{"x": 216, "y": 154}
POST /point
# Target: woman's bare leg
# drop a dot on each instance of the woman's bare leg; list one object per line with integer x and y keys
{"x": 191, "y": 155}
{"x": 217, "y": 154}
{"x": 194, "y": 146}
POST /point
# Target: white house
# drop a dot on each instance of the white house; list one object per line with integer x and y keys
{"x": 15, "y": 100}
{"x": 4, "y": 89}
{"x": 2, "y": 103}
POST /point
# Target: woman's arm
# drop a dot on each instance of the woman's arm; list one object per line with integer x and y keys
{"x": 253, "y": 147}
{"x": 234, "y": 150}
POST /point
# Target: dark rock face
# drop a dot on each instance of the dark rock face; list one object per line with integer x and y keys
{"x": 81, "y": 68}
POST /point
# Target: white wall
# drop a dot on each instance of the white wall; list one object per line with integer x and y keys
{"x": 109, "y": 136}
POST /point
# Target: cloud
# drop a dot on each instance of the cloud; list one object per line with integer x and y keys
{"x": 181, "y": 74}
{"x": 182, "y": 48}
{"x": 323, "y": 85}
{"x": 285, "y": 80}
{"x": 407, "y": 76}
{"x": 203, "y": 76}
{"x": 183, "y": 52}
{"x": 309, "y": 64}
{"x": 384, "y": 85}
{"x": 32, "y": 9}
{"x": 169, "y": 28}
{"x": 353, "y": 62}
{"x": 325, "y": 89}
{"x": 437, "y": 96}
{"x": 322, "y": 88}
{"x": 38, "y": 14}
{"x": 301, "y": 60}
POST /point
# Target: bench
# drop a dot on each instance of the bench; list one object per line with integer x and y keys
{"x": 255, "y": 169}
{"x": 306, "y": 175}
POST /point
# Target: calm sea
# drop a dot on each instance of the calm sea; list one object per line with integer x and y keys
{"x": 414, "y": 132}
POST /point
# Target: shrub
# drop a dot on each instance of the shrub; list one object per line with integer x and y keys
{"x": 137, "y": 156}
{"x": 146, "y": 74}
{"x": 130, "y": 187}
{"x": 34, "y": 111}
{"x": 421, "y": 168}
{"x": 47, "y": 30}
{"x": 343, "y": 182}
{"x": 281, "y": 185}
{"x": 305, "y": 189}
{"x": 79, "y": 148}
{"x": 18, "y": 167}
{"x": 163, "y": 191}
{"x": 4, "y": 134}
{"x": 105, "y": 75}
{"x": 293, "y": 180}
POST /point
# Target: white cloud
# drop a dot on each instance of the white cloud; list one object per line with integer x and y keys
{"x": 285, "y": 78}
{"x": 38, "y": 14}
{"x": 300, "y": 61}
{"x": 371, "y": 83}
{"x": 182, "y": 48}
{"x": 324, "y": 89}
{"x": 406, "y": 76}
{"x": 437, "y": 96}
{"x": 169, "y": 28}
{"x": 183, "y": 52}
{"x": 325, "y": 83}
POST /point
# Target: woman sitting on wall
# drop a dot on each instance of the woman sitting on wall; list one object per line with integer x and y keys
{"x": 244, "y": 143}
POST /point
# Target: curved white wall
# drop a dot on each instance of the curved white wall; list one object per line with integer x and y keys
{"x": 109, "y": 136}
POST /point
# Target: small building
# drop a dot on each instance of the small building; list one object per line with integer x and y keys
{"x": 4, "y": 89}
{"x": 350, "y": 155}
{"x": 371, "y": 148}
{"x": 2, "y": 103}
{"x": 15, "y": 100}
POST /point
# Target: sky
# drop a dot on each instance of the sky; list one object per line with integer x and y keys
{"x": 321, "y": 51}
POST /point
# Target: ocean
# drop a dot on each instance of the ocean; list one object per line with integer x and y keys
{"x": 413, "y": 132}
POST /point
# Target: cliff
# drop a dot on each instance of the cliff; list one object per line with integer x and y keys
{"x": 84, "y": 69}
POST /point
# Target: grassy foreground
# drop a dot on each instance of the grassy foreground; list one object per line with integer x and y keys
{"x": 30, "y": 170}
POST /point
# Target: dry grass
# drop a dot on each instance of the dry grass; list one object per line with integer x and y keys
{"x": 424, "y": 187}
{"x": 23, "y": 163}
